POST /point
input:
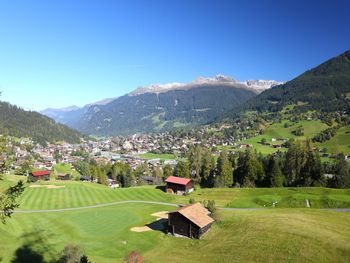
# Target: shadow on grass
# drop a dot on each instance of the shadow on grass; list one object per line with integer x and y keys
{"x": 35, "y": 245}
{"x": 161, "y": 187}
{"x": 159, "y": 225}
{"x": 25, "y": 254}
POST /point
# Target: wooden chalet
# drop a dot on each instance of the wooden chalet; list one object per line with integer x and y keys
{"x": 190, "y": 221}
{"x": 40, "y": 175}
{"x": 179, "y": 185}
{"x": 151, "y": 180}
{"x": 63, "y": 176}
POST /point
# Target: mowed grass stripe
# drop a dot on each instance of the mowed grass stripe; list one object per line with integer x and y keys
{"x": 51, "y": 196}
{"x": 126, "y": 195}
{"x": 106, "y": 195}
{"x": 88, "y": 198}
{"x": 96, "y": 195}
{"x": 38, "y": 197}
{"x": 27, "y": 199}
{"x": 73, "y": 202}
{"x": 80, "y": 197}
{"x": 77, "y": 194}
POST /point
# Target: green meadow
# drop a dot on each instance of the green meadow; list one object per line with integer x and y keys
{"x": 277, "y": 130}
{"x": 278, "y": 234}
{"x": 162, "y": 156}
{"x": 339, "y": 143}
{"x": 66, "y": 169}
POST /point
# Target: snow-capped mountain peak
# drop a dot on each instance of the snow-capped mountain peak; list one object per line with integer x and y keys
{"x": 256, "y": 86}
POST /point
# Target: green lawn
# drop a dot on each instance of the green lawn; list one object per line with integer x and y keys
{"x": 264, "y": 197}
{"x": 103, "y": 233}
{"x": 285, "y": 235}
{"x": 76, "y": 194}
{"x": 162, "y": 156}
{"x": 271, "y": 235}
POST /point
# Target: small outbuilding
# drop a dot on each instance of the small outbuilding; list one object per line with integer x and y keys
{"x": 85, "y": 178}
{"x": 190, "y": 221}
{"x": 63, "y": 176}
{"x": 179, "y": 185}
{"x": 40, "y": 175}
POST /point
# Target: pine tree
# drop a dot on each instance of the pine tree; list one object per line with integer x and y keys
{"x": 224, "y": 171}
{"x": 182, "y": 169}
{"x": 167, "y": 171}
{"x": 207, "y": 169}
{"x": 342, "y": 174}
{"x": 195, "y": 159}
{"x": 275, "y": 176}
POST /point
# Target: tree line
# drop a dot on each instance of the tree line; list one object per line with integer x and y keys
{"x": 300, "y": 166}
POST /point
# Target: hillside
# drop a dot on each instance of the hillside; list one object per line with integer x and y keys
{"x": 161, "y": 107}
{"x": 323, "y": 88}
{"x": 17, "y": 122}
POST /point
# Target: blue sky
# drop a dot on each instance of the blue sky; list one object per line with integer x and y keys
{"x": 62, "y": 53}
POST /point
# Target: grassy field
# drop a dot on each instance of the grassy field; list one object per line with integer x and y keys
{"x": 264, "y": 197}
{"x": 339, "y": 143}
{"x": 66, "y": 168}
{"x": 263, "y": 236}
{"x": 162, "y": 156}
{"x": 77, "y": 194}
{"x": 285, "y": 235}
{"x": 271, "y": 235}
{"x": 103, "y": 233}
{"x": 277, "y": 130}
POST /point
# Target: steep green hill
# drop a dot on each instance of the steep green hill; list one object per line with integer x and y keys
{"x": 323, "y": 88}
{"x": 17, "y": 122}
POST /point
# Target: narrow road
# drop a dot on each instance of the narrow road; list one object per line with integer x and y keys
{"x": 149, "y": 202}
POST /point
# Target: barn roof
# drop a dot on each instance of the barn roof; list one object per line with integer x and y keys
{"x": 41, "y": 173}
{"x": 197, "y": 214}
{"x": 178, "y": 180}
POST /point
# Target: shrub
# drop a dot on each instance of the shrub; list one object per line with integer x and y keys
{"x": 133, "y": 257}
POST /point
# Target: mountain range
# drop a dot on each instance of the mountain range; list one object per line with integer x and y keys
{"x": 161, "y": 107}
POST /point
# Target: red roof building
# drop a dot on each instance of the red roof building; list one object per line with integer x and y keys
{"x": 40, "y": 175}
{"x": 179, "y": 185}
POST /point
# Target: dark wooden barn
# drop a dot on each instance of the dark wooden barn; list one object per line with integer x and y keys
{"x": 191, "y": 221}
{"x": 179, "y": 185}
{"x": 63, "y": 176}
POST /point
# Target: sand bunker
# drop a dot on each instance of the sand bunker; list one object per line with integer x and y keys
{"x": 48, "y": 186}
{"x": 140, "y": 229}
{"x": 159, "y": 224}
{"x": 161, "y": 214}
